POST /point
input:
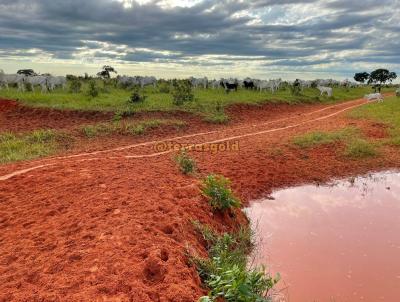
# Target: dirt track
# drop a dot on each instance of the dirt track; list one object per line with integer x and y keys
{"x": 114, "y": 225}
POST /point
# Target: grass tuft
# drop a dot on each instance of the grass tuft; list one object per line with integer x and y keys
{"x": 219, "y": 193}
{"x": 128, "y": 128}
{"x": 360, "y": 148}
{"x": 314, "y": 139}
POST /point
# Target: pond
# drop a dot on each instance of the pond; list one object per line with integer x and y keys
{"x": 336, "y": 242}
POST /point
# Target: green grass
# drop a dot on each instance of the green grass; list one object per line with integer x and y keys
{"x": 360, "y": 148}
{"x": 387, "y": 112}
{"x": 314, "y": 139}
{"x": 128, "y": 128}
{"x": 226, "y": 272}
{"x": 37, "y": 144}
{"x": 205, "y": 103}
{"x": 355, "y": 146}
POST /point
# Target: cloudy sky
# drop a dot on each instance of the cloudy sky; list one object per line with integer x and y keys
{"x": 178, "y": 38}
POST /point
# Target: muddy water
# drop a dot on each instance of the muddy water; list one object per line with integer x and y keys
{"x": 339, "y": 242}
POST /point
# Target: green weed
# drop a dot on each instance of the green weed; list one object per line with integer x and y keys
{"x": 186, "y": 164}
{"x": 220, "y": 196}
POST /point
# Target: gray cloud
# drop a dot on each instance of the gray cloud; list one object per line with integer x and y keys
{"x": 324, "y": 32}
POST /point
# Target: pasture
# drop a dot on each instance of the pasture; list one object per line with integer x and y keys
{"x": 207, "y": 102}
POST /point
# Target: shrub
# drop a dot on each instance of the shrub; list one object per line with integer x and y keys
{"x": 136, "y": 97}
{"x": 217, "y": 189}
{"x": 186, "y": 164}
{"x": 93, "y": 90}
{"x": 164, "y": 87}
{"x": 75, "y": 86}
{"x": 227, "y": 273}
{"x": 182, "y": 92}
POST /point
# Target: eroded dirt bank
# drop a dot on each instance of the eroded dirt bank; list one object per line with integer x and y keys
{"x": 115, "y": 226}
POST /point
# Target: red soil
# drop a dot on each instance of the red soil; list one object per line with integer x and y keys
{"x": 109, "y": 227}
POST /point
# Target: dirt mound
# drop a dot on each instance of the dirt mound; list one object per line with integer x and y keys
{"x": 16, "y": 117}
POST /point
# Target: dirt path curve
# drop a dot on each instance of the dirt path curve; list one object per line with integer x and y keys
{"x": 115, "y": 225}
{"x": 203, "y": 138}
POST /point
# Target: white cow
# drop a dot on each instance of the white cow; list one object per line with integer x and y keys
{"x": 214, "y": 84}
{"x": 145, "y": 81}
{"x": 126, "y": 81}
{"x": 273, "y": 85}
{"x": 323, "y": 89}
{"x": 37, "y": 80}
{"x": 54, "y": 82}
{"x": 197, "y": 82}
{"x": 11, "y": 79}
{"x": 398, "y": 92}
{"x": 374, "y": 96}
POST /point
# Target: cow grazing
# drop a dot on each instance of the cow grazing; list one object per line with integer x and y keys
{"x": 214, "y": 84}
{"x": 146, "y": 81}
{"x": 248, "y": 84}
{"x": 54, "y": 82}
{"x": 12, "y": 79}
{"x": 327, "y": 90}
{"x": 230, "y": 84}
{"x": 374, "y": 96}
{"x": 398, "y": 92}
{"x": 37, "y": 81}
{"x": 199, "y": 82}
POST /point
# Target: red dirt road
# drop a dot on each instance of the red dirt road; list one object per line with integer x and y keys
{"x": 114, "y": 225}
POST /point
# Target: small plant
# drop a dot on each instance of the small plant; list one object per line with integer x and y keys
{"x": 136, "y": 96}
{"x": 227, "y": 273}
{"x": 217, "y": 189}
{"x": 75, "y": 86}
{"x": 182, "y": 92}
{"x": 93, "y": 90}
{"x": 186, "y": 164}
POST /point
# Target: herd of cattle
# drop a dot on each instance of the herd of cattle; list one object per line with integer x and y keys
{"x": 46, "y": 82}
{"x": 49, "y": 83}
{"x": 232, "y": 84}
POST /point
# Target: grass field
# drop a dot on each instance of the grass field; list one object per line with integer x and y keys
{"x": 387, "y": 112}
{"x": 357, "y": 146}
{"x": 207, "y": 101}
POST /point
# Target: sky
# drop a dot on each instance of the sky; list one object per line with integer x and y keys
{"x": 290, "y": 39}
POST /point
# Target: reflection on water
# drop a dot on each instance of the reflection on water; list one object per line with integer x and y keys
{"x": 339, "y": 242}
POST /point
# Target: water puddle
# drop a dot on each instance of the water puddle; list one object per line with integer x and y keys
{"x": 339, "y": 242}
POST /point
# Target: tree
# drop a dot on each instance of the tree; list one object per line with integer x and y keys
{"x": 361, "y": 77}
{"x": 27, "y": 72}
{"x": 381, "y": 76}
{"x": 105, "y": 72}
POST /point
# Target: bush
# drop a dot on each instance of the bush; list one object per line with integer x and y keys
{"x": 164, "y": 87}
{"x": 182, "y": 92}
{"x": 186, "y": 164}
{"x": 93, "y": 90}
{"x": 227, "y": 273}
{"x": 75, "y": 86}
{"x": 217, "y": 189}
{"x": 136, "y": 97}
